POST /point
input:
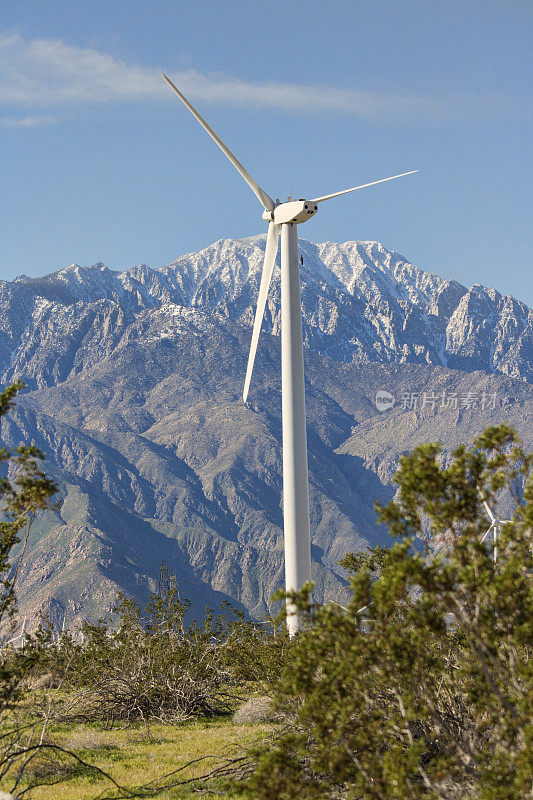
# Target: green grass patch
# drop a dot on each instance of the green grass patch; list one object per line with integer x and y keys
{"x": 139, "y": 755}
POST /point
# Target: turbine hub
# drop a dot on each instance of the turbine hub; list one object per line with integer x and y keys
{"x": 295, "y": 211}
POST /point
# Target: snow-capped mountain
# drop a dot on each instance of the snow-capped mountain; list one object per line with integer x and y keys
{"x": 360, "y": 302}
{"x": 135, "y": 395}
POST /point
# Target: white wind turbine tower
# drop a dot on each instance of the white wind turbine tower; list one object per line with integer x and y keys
{"x": 285, "y": 217}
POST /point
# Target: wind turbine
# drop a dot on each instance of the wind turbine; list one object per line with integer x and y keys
{"x": 494, "y": 528}
{"x": 21, "y": 636}
{"x": 284, "y": 217}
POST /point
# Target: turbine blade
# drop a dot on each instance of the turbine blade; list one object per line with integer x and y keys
{"x": 363, "y": 186}
{"x": 262, "y": 196}
{"x": 266, "y": 276}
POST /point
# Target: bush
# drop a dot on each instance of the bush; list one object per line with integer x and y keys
{"x": 422, "y": 688}
{"x": 153, "y": 666}
{"x": 25, "y": 491}
{"x": 256, "y": 709}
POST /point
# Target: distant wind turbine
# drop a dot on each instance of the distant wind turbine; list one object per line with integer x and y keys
{"x": 285, "y": 217}
{"x": 21, "y": 637}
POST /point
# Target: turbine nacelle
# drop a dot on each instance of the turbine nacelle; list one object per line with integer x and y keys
{"x": 295, "y": 211}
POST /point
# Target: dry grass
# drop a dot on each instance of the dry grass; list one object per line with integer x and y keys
{"x": 87, "y": 739}
{"x": 255, "y": 710}
{"x": 46, "y": 681}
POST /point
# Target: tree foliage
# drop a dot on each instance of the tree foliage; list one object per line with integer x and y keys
{"x": 149, "y": 664}
{"x": 422, "y": 687}
{"x": 25, "y": 490}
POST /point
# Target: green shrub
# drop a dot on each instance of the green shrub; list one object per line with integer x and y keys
{"x": 152, "y": 665}
{"x": 422, "y": 688}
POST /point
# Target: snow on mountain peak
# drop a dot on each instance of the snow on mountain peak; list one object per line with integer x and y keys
{"x": 360, "y": 302}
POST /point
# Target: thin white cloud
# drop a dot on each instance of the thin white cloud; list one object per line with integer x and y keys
{"x": 49, "y": 73}
{"x": 25, "y": 122}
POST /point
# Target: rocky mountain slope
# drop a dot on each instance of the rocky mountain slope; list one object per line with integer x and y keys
{"x": 360, "y": 302}
{"x": 135, "y": 385}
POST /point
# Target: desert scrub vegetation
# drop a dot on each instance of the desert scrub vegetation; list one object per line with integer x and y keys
{"x": 145, "y": 674}
{"x": 422, "y": 687}
{"x": 148, "y": 664}
{"x": 25, "y": 491}
{"x": 419, "y": 689}
{"x": 147, "y": 679}
{"x": 146, "y": 667}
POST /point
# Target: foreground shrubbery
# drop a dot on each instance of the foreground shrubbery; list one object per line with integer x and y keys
{"x": 25, "y": 491}
{"x": 151, "y": 665}
{"x": 422, "y": 687}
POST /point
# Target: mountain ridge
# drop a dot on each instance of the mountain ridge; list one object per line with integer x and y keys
{"x": 360, "y": 302}
{"x": 135, "y": 394}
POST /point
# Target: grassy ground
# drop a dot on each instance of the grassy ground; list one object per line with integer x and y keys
{"x": 135, "y": 756}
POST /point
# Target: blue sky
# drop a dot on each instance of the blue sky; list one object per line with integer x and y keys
{"x": 102, "y": 162}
